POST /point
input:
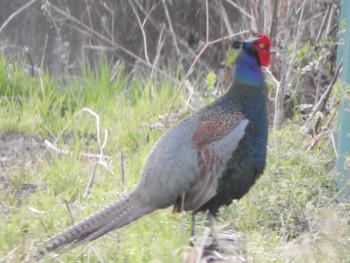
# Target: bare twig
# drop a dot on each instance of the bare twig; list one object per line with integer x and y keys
{"x": 42, "y": 66}
{"x": 84, "y": 29}
{"x": 141, "y": 25}
{"x": 54, "y": 148}
{"x": 226, "y": 20}
{"x": 240, "y": 9}
{"x": 200, "y": 249}
{"x": 91, "y": 180}
{"x": 192, "y": 54}
{"x": 320, "y": 104}
{"x": 122, "y": 167}
{"x": 335, "y": 148}
{"x": 206, "y": 21}
{"x": 330, "y": 21}
{"x": 88, "y": 14}
{"x": 325, "y": 18}
{"x": 69, "y": 211}
{"x": 10, "y": 254}
{"x": 254, "y": 24}
{"x": 171, "y": 27}
{"x": 159, "y": 49}
{"x": 17, "y": 12}
{"x": 272, "y": 76}
{"x": 279, "y": 101}
{"x": 110, "y": 31}
{"x": 274, "y": 23}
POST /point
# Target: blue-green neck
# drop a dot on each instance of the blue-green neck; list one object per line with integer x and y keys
{"x": 248, "y": 70}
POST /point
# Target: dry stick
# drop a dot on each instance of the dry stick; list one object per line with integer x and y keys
{"x": 90, "y": 21}
{"x": 206, "y": 21}
{"x": 113, "y": 45}
{"x": 254, "y": 22}
{"x": 189, "y": 71}
{"x": 91, "y": 180}
{"x": 325, "y": 95}
{"x": 274, "y": 23}
{"x": 122, "y": 167}
{"x": 51, "y": 146}
{"x": 13, "y": 15}
{"x": 326, "y": 129}
{"x": 97, "y": 254}
{"x": 240, "y": 9}
{"x": 181, "y": 41}
{"x": 10, "y": 254}
{"x": 226, "y": 19}
{"x": 42, "y": 65}
{"x": 159, "y": 48}
{"x": 267, "y": 16}
{"x": 160, "y": 40}
{"x": 114, "y": 71}
{"x": 27, "y": 255}
{"x": 44, "y": 52}
{"x": 307, "y": 21}
{"x": 171, "y": 27}
{"x": 88, "y": 14}
{"x": 200, "y": 250}
{"x": 329, "y": 25}
{"x": 328, "y": 11}
{"x": 322, "y": 28}
{"x": 142, "y": 31}
{"x": 69, "y": 211}
{"x": 156, "y": 60}
{"x": 111, "y": 31}
{"x": 279, "y": 109}
{"x": 334, "y": 144}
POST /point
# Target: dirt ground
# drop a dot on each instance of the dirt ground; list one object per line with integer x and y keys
{"x": 18, "y": 150}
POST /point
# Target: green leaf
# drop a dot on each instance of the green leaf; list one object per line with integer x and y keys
{"x": 231, "y": 58}
{"x": 211, "y": 79}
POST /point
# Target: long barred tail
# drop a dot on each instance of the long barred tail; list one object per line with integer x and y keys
{"x": 120, "y": 213}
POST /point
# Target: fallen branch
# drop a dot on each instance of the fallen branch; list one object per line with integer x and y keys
{"x": 54, "y": 148}
{"x": 101, "y": 157}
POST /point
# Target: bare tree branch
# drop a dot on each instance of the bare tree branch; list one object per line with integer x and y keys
{"x": 13, "y": 15}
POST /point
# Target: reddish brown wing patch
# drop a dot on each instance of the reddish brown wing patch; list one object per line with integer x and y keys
{"x": 215, "y": 128}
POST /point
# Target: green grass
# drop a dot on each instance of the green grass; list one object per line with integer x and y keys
{"x": 291, "y": 215}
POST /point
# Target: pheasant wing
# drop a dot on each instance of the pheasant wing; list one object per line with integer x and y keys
{"x": 215, "y": 139}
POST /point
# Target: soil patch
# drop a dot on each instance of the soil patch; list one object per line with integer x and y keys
{"x": 18, "y": 150}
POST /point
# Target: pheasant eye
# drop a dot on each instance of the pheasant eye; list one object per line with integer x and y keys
{"x": 261, "y": 45}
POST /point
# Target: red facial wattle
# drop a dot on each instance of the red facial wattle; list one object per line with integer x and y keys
{"x": 264, "y": 57}
{"x": 262, "y": 47}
